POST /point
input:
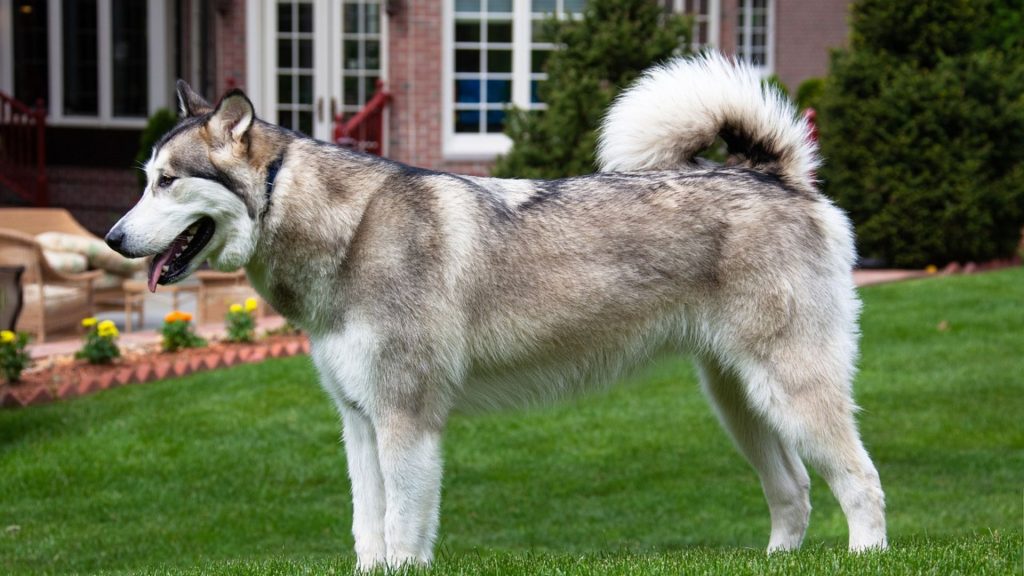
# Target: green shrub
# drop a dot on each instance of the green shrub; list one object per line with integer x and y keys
{"x": 100, "y": 342}
{"x": 13, "y": 356}
{"x": 921, "y": 127}
{"x": 601, "y": 54}
{"x": 808, "y": 94}
{"x": 158, "y": 124}
{"x": 178, "y": 333}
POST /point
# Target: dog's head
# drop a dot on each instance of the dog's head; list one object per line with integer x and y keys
{"x": 204, "y": 194}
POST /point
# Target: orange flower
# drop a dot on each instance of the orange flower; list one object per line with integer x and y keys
{"x": 177, "y": 316}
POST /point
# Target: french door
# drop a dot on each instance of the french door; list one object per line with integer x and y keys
{"x": 327, "y": 56}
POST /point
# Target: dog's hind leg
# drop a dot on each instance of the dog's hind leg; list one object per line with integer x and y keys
{"x": 783, "y": 476}
{"x": 410, "y": 460}
{"x": 803, "y": 391}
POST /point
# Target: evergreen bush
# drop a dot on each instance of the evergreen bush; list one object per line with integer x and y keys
{"x": 921, "y": 123}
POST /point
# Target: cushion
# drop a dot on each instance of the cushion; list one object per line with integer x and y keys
{"x": 66, "y": 262}
{"x": 95, "y": 250}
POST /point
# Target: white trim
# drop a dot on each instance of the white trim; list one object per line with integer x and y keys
{"x": 255, "y": 56}
{"x": 105, "y": 88}
{"x": 158, "y": 39}
{"x": 714, "y": 23}
{"x": 55, "y": 46}
{"x": 6, "y": 47}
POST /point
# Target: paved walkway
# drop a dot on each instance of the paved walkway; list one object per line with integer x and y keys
{"x": 159, "y": 304}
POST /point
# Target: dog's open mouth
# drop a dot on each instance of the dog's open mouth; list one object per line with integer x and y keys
{"x": 172, "y": 264}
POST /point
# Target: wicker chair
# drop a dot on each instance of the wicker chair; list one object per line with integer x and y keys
{"x": 51, "y": 301}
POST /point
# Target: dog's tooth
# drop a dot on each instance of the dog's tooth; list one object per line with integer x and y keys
{"x": 165, "y": 268}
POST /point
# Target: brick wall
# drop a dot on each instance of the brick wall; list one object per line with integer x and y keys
{"x": 805, "y": 31}
{"x": 230, "y": 35}
{"x": 414, "y": 78}
{"x": 97, "y": 197}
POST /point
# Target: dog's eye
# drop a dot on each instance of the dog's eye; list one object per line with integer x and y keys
{"x": 165, "y": 181}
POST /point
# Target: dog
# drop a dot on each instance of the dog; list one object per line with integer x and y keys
{"x": 423, "y": 291}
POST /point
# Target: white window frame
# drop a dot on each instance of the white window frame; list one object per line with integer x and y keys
{"x": 769, "y": 48}
{"x": 157, "y": 74}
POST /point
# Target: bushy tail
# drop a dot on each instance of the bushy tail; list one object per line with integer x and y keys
{"x": 676, "y": 110}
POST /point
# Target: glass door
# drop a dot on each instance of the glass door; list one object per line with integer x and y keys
{"x": 328, "y": 58}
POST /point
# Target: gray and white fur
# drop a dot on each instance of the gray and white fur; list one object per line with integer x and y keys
{"x": 423, "y": 291}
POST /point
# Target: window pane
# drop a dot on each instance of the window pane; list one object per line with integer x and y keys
{"x": 467, "y": 91}
{"x": 574, "y": 6}
{"x": 305, "y": 53}
{"x": 369, "y": 88}
{"x": 467, "y": 31}
{"x": 372, "y": 55}
{"x": 284, "y": 53}
{"x": 544, "y": 6}
{"x": 467, "y": 5}
{"x": 467, "y": 60}
{"x": 499, "y": 60}
{"x": 495, "y": 120}
{"x": 372, "y": 25}
{"x": 535, "y": 91}
{"x": 130, "y": 61}
{"x": 284, "y": 89}
{"x": 499, "y": 32}
{"x": 352, "y": 55}
{"x": 351, "y": 86}
{"x": 305, "y": 89}
{"x": 538, "y": 60}
{"x": 306, "y": 122}
{"x": 284, "y": 16}
{"x": 351, "y": 18}
{"x": 467, "y": 120}
{"x": 31, "y": 49}
{"x": 305, "y": 17}
{"x": 81, "y": 58}
{"x": 284, "y": 118}
{"x": 499, "y": 5}
{"x": 499, "y": 91}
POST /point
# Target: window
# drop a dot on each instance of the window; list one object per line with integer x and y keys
{"x": 361, "y": 41}
{"x": 495, "y": 51}
{"x": 295, "y": 65}
{"x": 95, "y": 62}
{"x": 753, "y": 34}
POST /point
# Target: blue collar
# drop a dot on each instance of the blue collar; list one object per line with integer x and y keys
{"x": 272, "y": 171}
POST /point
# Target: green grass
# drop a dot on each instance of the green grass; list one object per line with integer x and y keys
{"x": 241, "y": 471}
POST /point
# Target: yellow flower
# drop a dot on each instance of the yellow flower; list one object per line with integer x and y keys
{"x": 250, "y": 304}
{"x": 89, "y": 322}
{"x": 6, "y": 336}
{"x": 236, "y": 308}
{"x": 107, "y": 329}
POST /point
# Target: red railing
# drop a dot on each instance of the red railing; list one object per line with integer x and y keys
{"x": 23, "y": 149}
{"x": 365, "y": 130}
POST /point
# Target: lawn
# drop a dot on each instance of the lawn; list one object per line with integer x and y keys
{"x": 241, "y": 471}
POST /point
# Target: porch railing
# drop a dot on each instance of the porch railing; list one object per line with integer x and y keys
{"x": 365, "y": 130}
{"x": 23, "y": 149}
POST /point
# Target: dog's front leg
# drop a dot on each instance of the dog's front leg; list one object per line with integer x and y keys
{"x": 367, "y": 488}
{"x": 410, "y": 460}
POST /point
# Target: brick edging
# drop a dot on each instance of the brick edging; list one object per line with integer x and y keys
{"x": 149, "y": 371}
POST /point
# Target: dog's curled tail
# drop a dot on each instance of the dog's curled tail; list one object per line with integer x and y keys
{"x": 676, "y": 110}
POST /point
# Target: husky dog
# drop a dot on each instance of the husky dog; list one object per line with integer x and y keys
{"x": 423, "y": 291}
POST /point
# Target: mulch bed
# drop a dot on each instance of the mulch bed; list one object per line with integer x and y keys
{"x": 64, "y": 377}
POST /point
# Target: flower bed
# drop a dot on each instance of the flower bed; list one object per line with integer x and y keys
{"x": 66, "y": 377}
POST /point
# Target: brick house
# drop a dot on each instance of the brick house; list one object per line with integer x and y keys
{"x": 452, "y": 67}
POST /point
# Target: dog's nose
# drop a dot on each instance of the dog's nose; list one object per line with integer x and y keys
{"x": 115, "y": 238}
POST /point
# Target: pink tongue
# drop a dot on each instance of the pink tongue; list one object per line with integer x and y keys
{"x": 158, "y": 266}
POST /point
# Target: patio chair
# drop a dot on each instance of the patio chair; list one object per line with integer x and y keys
{"x": 10, "y": 295}
{"x": 51, "y": 300}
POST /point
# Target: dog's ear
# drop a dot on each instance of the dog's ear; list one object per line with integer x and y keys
{"x": 233, "y": 117}
{"x": 189, "y": 102}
